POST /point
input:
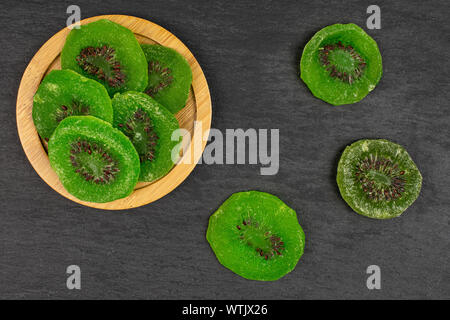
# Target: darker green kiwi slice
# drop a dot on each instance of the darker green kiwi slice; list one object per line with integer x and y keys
{"x": 256, "y": 235}
{"x": 94, "y": 161}
{"x": 341, "y": 64}
{"x": 378, "y": 178}
{"x": 65, "y": 93}
{"x": 169, "y": 76}
{"x": 149, "y": 126}
{"x": 107, "y": 52}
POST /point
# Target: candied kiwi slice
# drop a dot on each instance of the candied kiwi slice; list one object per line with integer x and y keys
{"x": 378, "y": 178}
{"x": 149, "y": 126}
{"x": 94, "y": 161}
{"x": 65, "y": 93}
{"x": 106, "y": 52}
{"x": 169, "y": 76}
{"x": 256, "y": 235}
{"x": 341, "y": 64}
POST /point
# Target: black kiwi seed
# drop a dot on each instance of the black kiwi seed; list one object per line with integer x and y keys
{"x": 93, "y": 162}
{"x": 140, "y": 130}
{"x": 351, "y": 71}
{"x": 380, "y": 178}
{"x": 102, "y": 63}
{"x": 75, "y": 109}
{"x": 266, "y": 244}
{"x": 159, "y": 77}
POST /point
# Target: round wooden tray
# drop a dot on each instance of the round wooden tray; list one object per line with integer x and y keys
{"x": 195, "y": 117}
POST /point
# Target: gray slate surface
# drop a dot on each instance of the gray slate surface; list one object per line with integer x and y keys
{"x": 250, "y": 55}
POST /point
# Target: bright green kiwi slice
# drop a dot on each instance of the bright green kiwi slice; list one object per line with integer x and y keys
{"x": 169, "y": 76}
{"x": 94, "y": 161}
{"x": 256, "y": 235}
{"x": 149, "y": 126}
{"x": 65, "y": 93}
{"x": 341, "y": 64}
{"x": 378, "y": 178}
{"x": 107, "y": 52}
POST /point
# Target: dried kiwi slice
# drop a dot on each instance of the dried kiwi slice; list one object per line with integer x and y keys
{"x": 65, "y": 93}
{"x": 169, "y": 76}
{"x": 378, "y": 178}
{"x": 341, "y": 64}
{"x": 149, "y": 126}
{"x": 256, "y": 235}
{"x": 94, "y": 161}
{"x": 107, "y": 52}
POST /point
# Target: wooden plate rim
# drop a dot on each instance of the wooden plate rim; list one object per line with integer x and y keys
{"x": 36, "y": 153}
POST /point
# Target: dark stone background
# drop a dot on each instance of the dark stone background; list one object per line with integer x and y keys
{"x": 250, "y": 55}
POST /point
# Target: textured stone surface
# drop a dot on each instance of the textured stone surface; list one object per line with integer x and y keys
{"x": 250, "y": 55}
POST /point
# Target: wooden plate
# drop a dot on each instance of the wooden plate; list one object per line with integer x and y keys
{"x": 195, "y": 117}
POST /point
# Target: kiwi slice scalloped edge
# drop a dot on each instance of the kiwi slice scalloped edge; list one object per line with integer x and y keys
{"x": 65, "y": 93}
{"x": 149, "y": 126}
{"x": 341, "y": 64}
{"x": 256, "y": 235}
{"x": 169, "y": 76}
{"x": 378, "y": 178}
{"x": 106, "y": 52}
{"x": 94, "y": 161}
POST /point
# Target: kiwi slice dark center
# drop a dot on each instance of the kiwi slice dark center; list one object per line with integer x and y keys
{"x": 93, "y": 162}
{"x": 159, "y": 77}
{"x": 260, "y": 238}
{"x": 75, "y": 109}
{"x": 342, "y": 62}
{"x": 102, "y": 63}
{"x": 380, "y": 178}
{"x": 140, "y": 130}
